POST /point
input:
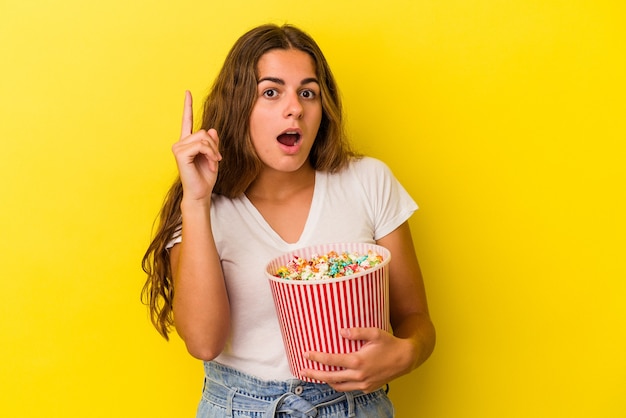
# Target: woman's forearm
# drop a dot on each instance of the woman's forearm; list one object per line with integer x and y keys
{"x": 201, "y": 308}
{"x": 419, "y": 330}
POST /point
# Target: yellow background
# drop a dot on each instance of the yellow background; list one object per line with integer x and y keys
{"x": 504, "y": 119}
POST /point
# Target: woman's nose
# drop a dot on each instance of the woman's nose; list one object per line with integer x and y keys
{"x": 294, "y": 107}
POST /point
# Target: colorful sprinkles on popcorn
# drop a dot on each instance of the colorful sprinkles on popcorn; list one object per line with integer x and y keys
{"x": 328, "y": 266}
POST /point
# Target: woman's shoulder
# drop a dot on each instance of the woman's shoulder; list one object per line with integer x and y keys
{"x": 366, "y": 165}
{"x": 364, "y": 170}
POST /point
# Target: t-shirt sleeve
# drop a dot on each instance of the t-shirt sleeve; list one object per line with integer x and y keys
{"x": 177, "y": 238}
{"x": 390, "y": 203}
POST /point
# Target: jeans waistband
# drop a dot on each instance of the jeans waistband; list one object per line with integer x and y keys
{"x": 237, "y": 391}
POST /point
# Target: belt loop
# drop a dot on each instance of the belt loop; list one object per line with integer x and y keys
{"x": 229, "y": 402}
{"x": 272, "y": 408}
{"x": 350, "y": 401}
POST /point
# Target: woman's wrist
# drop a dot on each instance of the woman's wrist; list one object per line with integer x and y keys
{"x": 195, "y": 206}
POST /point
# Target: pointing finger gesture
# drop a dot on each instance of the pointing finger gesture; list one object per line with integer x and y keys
{"x": 187, "y": 125}
{"x": 197, "y": 156}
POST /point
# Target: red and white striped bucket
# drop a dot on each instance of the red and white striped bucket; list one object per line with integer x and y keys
{"x": 311, "y": 312}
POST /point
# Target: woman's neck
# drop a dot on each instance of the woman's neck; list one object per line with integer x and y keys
{"x": 278, "y": 185}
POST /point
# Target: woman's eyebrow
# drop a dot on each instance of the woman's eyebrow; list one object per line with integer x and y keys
{"x": 282, "y": 82}
{"x": 309, "y": 80}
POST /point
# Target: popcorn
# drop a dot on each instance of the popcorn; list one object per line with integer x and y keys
{"x": 328, "y": 266}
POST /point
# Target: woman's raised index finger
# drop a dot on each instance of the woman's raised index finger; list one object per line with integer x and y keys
{"x": 187, "y": 127}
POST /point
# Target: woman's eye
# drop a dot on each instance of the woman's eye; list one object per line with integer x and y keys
{"x": 308, "y": 94}
{"x": 270, "y": 93}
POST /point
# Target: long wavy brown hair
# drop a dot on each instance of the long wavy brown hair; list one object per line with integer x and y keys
{"x": 227, "y": 109}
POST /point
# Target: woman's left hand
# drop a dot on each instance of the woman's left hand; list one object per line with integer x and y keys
{"x": 382, "y": 358}
{"x": 385, "y": 356}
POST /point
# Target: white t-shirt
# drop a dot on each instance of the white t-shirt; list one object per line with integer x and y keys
{"x": 362, "y": 203}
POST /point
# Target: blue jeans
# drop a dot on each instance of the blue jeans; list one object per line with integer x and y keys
{"x": 230, "y": 393}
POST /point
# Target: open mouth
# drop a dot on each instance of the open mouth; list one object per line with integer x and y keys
{"x": 289, "y": 138}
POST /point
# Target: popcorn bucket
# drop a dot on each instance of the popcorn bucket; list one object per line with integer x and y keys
{"x": 311, "y": 312}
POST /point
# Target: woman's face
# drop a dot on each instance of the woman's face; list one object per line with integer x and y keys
{"x": 288, "y": 109}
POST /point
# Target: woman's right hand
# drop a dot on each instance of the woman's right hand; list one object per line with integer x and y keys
{"x": 197, "y": 157}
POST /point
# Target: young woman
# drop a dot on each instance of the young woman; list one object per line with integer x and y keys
{"x": 270, "y": 171}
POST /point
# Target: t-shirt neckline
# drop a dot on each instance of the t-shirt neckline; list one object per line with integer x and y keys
{"x": 311, "y": 221}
